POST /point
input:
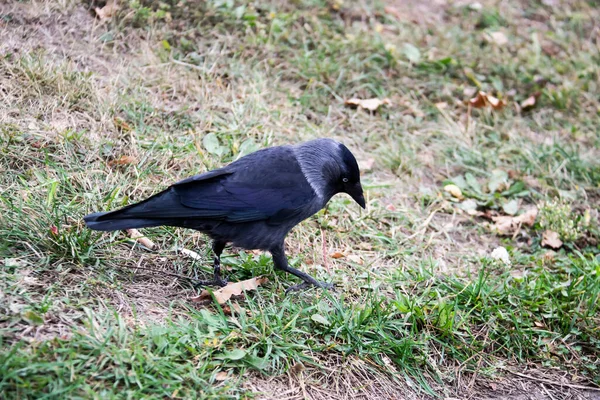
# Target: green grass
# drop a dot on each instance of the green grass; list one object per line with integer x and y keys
{"x": 183, "y": 87}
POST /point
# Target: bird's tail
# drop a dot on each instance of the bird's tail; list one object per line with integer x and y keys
{"x": 112, "y": 221}
{"x": 150, "y": 212}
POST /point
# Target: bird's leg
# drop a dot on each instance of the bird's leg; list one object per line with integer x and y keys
{"x": 217, "y": 248}
{"x": 280, "y": 261}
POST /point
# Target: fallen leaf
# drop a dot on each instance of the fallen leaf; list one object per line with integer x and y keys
{"x": 141, "y": 239}
{"x": 297, "y": 368}
{"x": 123, "y": 160}
{"x": 454, "y": 191}
{"x": 496, "y": 104}
{"x": 470, "y": 207}
{"x": 508, "y": 225}
{"x": 189, "y": 253}
{"x": 227, "y": 310}
{"x": 121, "y": 124}
{"x": 530, "y": 102}
{"x": 108, "y": 11}
{"x": 501, "y": 254}
{"x": 549, "y": 256}
{"x": 511, "y": 207}
{"x": 482, "y": 99}
{"x": 366, "y": 165}
{"x": 232, "y": 289}
{"x": 221, "y": 376}
{"x": 551, "y": 239}
{"x": 336, "y": 255}
{"x": 355, "y": 259}
{"x": 498, "y": 38}
{"x": 367, "y": 104}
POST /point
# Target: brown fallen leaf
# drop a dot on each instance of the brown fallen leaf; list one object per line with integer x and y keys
{"x": 297, "y": 368}
{"x": 337, "y": 254}
{"x": 482, "y": 99}
{"x": 123, "y": 160}
{"x": 232, "y": 289}
{"x": 108, "y": 11}
{"x": 367, "y": 104}
{"x": 551, "y": 239}
{"x": 508, "y": 225}
{"x": 141, "y": 239}
{"x": 234, "y": 307}
{"x": 549, "y": 256}
{"x": 121, "y": 124}
{"x": 221, "y": 376}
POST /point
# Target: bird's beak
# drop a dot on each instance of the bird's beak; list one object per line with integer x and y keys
{"x": 357, "y": 194}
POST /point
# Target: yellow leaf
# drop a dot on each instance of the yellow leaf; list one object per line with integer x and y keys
{"x": 454, "y": 191}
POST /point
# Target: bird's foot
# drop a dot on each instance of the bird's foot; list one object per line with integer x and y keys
{"x": 217, "y": 281}
{"x": 304, "y": 285}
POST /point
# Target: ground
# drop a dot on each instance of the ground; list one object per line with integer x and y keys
{"x": 101, "y": 106}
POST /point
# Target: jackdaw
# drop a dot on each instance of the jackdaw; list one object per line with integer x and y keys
{"x": 252, "y": 203}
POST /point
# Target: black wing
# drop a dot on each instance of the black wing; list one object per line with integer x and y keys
{"x": 267, "y": 185}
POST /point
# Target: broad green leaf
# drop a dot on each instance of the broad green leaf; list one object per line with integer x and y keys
{"x": 33, "y": 318}
{"x": 212, "y": 145}
{"x": 236, "y": 354}
{"x": 473, "y": 182}
{"x": 412, "y": 53}
{"x": 497, "y": 179}
{"x": 511, "y": 207}
{"x": 320, "y": 319}
{"x": 248, "y": 146}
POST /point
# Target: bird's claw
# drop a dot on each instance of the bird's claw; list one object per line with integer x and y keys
{"x": 304, "y": 285}
{"x": 217, "y": 281}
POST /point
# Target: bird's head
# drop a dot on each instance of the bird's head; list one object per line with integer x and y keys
{"x": 331, "y": 168}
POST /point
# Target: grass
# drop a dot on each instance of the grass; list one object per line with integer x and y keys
{"x": 117, "y": 109}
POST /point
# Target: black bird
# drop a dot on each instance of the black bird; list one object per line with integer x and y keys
{"x": 252, "y": 203}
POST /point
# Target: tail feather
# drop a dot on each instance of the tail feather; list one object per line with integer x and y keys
{"x": 99, "y": 222}
{"x": 144, "y": 214}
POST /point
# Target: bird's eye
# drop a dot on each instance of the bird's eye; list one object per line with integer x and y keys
{"x": 345, "y": 180}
